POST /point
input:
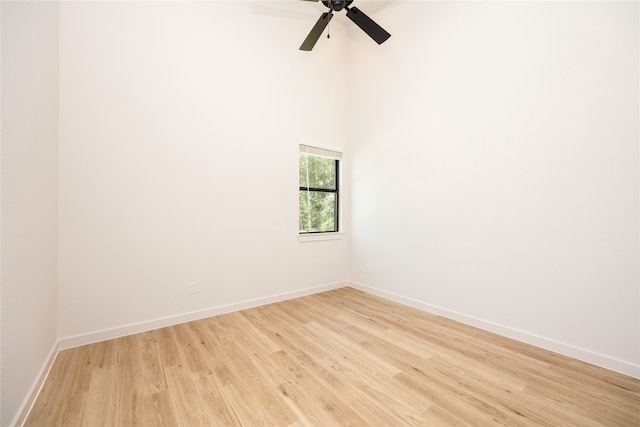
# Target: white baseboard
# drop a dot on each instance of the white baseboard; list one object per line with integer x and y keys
{"x": 108, "y": 334}
{"x": 34, "y": 391}
{"x": 538, "y": 341}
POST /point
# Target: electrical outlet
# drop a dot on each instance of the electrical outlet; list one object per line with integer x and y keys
{"x": 367, "y": 268}
{"x": 191, "y": 288}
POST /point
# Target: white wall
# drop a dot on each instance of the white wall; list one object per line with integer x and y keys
{"x": 29, "y": 195}
{"x": 495, "y": 169}
{"x": 179, "y": 128}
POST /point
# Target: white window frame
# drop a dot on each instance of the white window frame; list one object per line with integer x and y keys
{"x": 329, "y": 235}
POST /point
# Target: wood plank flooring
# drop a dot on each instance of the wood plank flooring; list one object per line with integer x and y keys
{"x": 341, "y": 357}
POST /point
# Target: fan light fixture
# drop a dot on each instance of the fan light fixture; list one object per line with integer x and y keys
{"x": 373, "y": 30}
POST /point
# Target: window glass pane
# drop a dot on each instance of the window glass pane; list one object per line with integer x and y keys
{"x": 319, "y": 171}
{"x": 317, "y": 211}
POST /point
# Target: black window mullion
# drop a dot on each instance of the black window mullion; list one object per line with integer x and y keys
{"x": 337, "y": 211}
{"x": 320, "y": 190}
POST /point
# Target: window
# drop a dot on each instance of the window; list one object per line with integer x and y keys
{"x": 319, "y": 190}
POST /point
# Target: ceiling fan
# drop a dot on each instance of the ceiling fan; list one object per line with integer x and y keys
{"x": 375, "y": 31}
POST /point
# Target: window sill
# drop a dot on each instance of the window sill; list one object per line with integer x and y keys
{"x": 320, "y": 236}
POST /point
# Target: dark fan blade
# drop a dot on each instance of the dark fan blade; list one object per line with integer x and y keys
{"x": 374, "y": 30}
{"x": 316, "y": 31}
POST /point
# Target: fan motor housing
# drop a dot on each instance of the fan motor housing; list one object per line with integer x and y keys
{"x": 337, "y": 5}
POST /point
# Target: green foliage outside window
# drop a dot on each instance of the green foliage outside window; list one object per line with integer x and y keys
{"x": 318, "y": 194}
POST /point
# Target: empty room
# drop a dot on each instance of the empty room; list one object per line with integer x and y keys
{"x": 294, "y": 213}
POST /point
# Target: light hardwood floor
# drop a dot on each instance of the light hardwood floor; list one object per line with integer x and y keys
{"x": 341, "y": 357}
